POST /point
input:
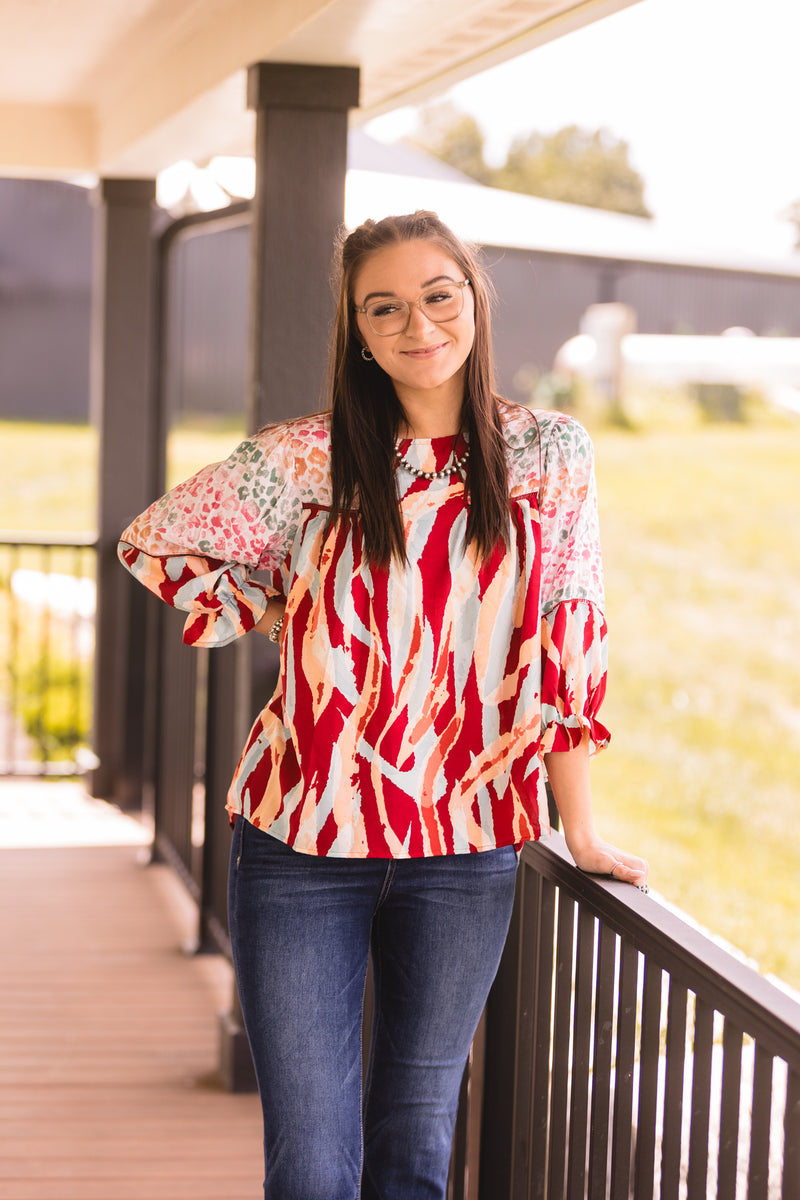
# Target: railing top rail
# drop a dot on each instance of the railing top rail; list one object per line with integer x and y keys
{"x": 730, "y": 986}
{"x": 15, "y": 538}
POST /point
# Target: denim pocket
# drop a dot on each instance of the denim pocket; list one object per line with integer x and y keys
{"x": 256, "y": 845}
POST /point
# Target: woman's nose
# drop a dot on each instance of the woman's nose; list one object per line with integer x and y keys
{"x": 417, "y": 319}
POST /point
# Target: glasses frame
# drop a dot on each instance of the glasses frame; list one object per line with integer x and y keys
{"x": 409, "y": 304}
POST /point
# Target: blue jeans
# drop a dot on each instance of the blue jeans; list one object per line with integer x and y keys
{"x": 302, "y": 928}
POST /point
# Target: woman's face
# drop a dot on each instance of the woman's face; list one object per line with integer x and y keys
{"x": 427, "y": 359}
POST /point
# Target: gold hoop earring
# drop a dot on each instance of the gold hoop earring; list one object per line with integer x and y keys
{"x": 367, "y": 355}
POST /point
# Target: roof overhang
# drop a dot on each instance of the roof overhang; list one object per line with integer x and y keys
{"x": 125, "y": 87}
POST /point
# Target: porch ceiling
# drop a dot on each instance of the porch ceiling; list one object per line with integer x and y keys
{"x": 124, "y": 87}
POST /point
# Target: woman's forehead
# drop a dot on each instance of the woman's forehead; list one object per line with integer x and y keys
{"x": 405, "y": 267}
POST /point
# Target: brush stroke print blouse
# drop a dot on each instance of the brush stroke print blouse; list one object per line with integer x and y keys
{"x": 414, "y": 702}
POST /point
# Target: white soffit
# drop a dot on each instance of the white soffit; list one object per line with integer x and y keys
{"x": 128, "y": 86}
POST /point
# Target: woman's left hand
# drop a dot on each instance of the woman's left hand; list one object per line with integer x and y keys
{"x": 569, "y": 777}
{"x": 600, "y": 858}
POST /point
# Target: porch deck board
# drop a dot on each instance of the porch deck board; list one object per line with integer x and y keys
{"x": 108, "y": 1038}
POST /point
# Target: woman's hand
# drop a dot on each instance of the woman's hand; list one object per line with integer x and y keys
{"x": 600, "y": 858}
{"x": 568, "y": 772}
{"x": 275, "y": 609}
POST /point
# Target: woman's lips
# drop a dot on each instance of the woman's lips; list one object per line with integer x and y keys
{"x": 424, "y": 352}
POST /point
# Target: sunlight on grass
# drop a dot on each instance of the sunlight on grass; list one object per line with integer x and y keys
{"x": 50, "y": 470}
{"x": 702, "y": 545}
{"x": 192, "y": 445}
{"x": 49, "y": 478}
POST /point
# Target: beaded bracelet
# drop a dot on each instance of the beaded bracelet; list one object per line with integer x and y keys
{"x": 274, "y": 631}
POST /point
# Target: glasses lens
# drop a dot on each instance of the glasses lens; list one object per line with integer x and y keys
{"x": 443, "y": 303}
{"x": 388, "y": 316}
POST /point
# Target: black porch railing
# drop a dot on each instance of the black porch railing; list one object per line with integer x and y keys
{"x": 47, "y": 603}
{"x": 629, "y": 1055}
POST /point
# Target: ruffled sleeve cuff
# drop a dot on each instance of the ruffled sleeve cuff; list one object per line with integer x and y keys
{"x": 222, "y": 601}
{"x": 574, "y": 668}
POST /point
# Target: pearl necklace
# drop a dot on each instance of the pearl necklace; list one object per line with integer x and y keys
{"x": 450, "y": 469}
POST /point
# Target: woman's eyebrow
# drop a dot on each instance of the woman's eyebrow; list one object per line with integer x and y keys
{"x": 371, "y": 296}
{"x": 427, "y": 284}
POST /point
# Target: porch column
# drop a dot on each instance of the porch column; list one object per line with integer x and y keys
{"x": 301, "y": 162}
{"x": 120, "y": 403}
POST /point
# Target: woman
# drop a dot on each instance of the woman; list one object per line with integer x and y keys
{"x": 435, "y": 584}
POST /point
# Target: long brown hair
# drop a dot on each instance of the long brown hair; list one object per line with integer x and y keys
{"x": 366, "y": 414}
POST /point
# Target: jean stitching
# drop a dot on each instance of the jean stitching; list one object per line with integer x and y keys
{"x": 387, "y": 883}
{"x": 376, "y": 1022}
{"x": 391, "y": 869}
{"x": 362, "y": 1106}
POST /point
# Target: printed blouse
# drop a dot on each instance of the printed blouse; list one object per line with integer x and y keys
{"x": 415, "y": 702}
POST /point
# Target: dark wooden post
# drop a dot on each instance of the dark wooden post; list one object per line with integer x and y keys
{"x": 121, "y": 408}
{"x": 301, "y": 162}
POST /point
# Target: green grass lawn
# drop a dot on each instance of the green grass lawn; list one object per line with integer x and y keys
{"x": 702, "y": 556}
{"x": 702, "y": 551}
{"x": 49, "y": 478}
{"x": 50, "y": 471}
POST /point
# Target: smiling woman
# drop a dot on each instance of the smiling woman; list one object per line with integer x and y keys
{"x": 422, "y": 350}
{"x": 434, "y": 582}
{"x": 430, "y": 378}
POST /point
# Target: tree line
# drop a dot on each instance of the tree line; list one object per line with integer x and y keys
{"x": 574, "y": 165}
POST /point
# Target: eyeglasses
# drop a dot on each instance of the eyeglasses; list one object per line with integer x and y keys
{"x": 439, "y": 304}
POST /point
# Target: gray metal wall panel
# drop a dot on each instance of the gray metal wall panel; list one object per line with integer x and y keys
{"x": 44, "y": 355}
{"x": 540, "y": 302}
{"x": 206, "y": 356}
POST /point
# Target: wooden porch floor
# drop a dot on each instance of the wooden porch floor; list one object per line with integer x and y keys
{"x": 108, "y": 1032}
